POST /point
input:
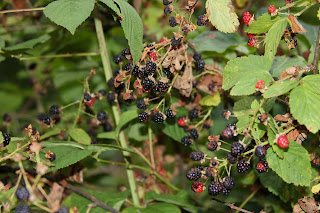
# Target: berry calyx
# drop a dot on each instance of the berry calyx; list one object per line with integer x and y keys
{"x": 283, "y": 141}
{"x": 272, "y": 9}
{"x": 181, "y": 122}
{"x": 246, "y": 17}
{"x": 197, "y": 187}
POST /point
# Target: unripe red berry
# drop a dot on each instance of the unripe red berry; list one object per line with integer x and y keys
{"x": 181, "y": 122}
{"x": 250, "y": 35}
{"x": 197, "y": 187}
{"x": 272, "y": 9}
{"x": 91, "y": 102}
{"x": 153, "y": 56}
{"x": 246, "y": 17}
{"x": 283, "y": 141}
{"x": 253, "y": 42}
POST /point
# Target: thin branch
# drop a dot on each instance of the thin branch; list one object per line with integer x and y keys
{"x": 283, "y": 101}
{"x": 67, "y": 55}
{"x": 22, "y": 10}
{"x": 316, "y": 55}
{"x": 231, "y": 206}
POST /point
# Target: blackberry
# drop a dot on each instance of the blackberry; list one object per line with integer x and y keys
{"x": 186, "y": 141}
{"x": 6, "y": 139}
{"x": 117, "y": 59}
{"x": 147, "y": 84}
{"x": 22, "y": 208}
{"x": 125, "y": 52}
{"x": 111, "y": 97}
{"x": 225, "y": 191}
{"x": 120, "y": 88}
{"x": 141, "y": 104}
{"x": 236, "y": 149}
{"x": 162, "y": 87}
{"x": 102, "y": 92}
{"x": 110, "y": 83}
{"x": 232, "y": 126}
{"x": 169, "y": 113}
{"x": 143, "y": 116}
{"x": 158, "y": 118}
{"x": 166, "y": 2}
{"x": 227, "y": 133}
{"x": 51, "y": 156}
{"x": 167, "y": 10}
{"x": 199, "y": 65}
{"x": 262, "y": 166}
{"x": 215, "y": 188}
{"x": 196, "y": 56}
{"x": 44, "y": 118}
{"x": 128, "y": 67}
{"x": 129, "y": 99}
{"x": 193, "y": 114}
{"x": 142, "y": 73}
{"x": 150, "y": 68}
{"x": 229, "y": 182}
{"x": 54, "y": 110}
{"x": 102, "y": 116}
{"x": 6, "y": 117}
{"x": 243, "y": 166}
{"x": 173, "y": 22}
{"x": 116, "y": 72}
{"x": 168, "y": 72}
{"x": 175, "y": 42}
{"x": 202, "y": 20}
{"x": 107, "y": 127}
{"x": 22, "y": 194}
{"x": 87, "y": 97}
{"x": 231, "y": 159}
{"x": 135, "y": 71}
{"x": 196, "y": 156}
{"x": 212, "y": 145}
{"x": 194, "y": 174}
{"x": 193, "y": 134}
{"x": 63, "y": 209}
{"x": 225, "y": 114}
{"x": 261, "y": 151}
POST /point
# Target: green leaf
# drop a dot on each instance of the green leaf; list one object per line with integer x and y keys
{"x": 80, "y": 136}
{"x": 315, "y": 189}
{"x": 125, "y": 118}
{"x": 111, "y": 5}
{"x": 172, "y": 130}
{"x": 280, "y": 88}
{"x": 273, "y": 37}
{"x": 222, "y": 15}
{"x": 69, "y": 13}
{"x": 305, "y": 107}
{"x": 132, "y": 27}
{"x": 263, "y": 24}
{"x": 108, "y": 147}
{"x": 162, "y": 208}
{"x": 65, "y": 156}
{"x": 318, "y": 14}
{"x": 53, "y": 143}
{"x": 50, "y": 134}
{"x": 312, "y": 83}
{"x": 20, "y": 48}
{"x": 295, "y": 167}
{"x": 240, "y": 68}
{"x": 211, "y": 100}
{"x": 281, "y": 63}
{"x": 107, "y": 135}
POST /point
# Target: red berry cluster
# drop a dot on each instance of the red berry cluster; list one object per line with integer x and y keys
{"x": 283, "y": 141}
{"x": 260, "y": 84}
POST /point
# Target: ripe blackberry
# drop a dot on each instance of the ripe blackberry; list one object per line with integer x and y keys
{"x": 158, "y": 118}
{"x": 54, "y": 110}
{"x": 202, "y": 20}
{"x": 150, "y": 68}
{"x": 227, "y": 133}
{"x": 194, "y": 174}
{"x": 22, "y": 208}
{"x": 168, "y": 72}
{"x": 236, "y": 149}
{"x": 167, "y": 10}
{"x": 6, "y": 139}
{"x": 243, "y": 166}
{"x": 196, "y": 156}
{"x": 63, "y": 209}
{"x": 110, "y": 83}
{"x": 231, "y": 159}
{"x": 135, "y": 71}
{"x": 162, "y": 87}
{"x": 169, "y": 113}
{"x": 197, "y": 56}
{"x": 125, "y": 52}
{"x": 173, "y": 22}
{"x": 229, "y": 182}
{"x": 111, "y": 97}
{"x": 261, "y": 151}
{"x": 175, "y": 42}
{"x": 102, "y": 92}
{"x": 117, "y": 59}
{"x": 6, "y": 117}
{"x": 193, "y": 134}
{"x": 186, "y": 141}
{"x": 22, "y": 194}
{"x": 212, "y": 146}
{"x": 87, "y": 97}
{"x": 44, "y": 118}
{"x": 262, "y": 166}
{"x": 120, "y": 88}
{"x": 167, "y": 2}
{"x": 107, "y": 127}
{"x": 102, "y": 116}
{"x": 215, "y": 188}
{"x": 197, "y": 187}
{"x": 116, "y": 72}
{"x": 141, "y": 104}
{"x": 193, "y": 114}
{"x": 143, "y": 116}
{"x": 128, "y": 67}
{"x": 94, "y": 141}
{"x": 225, "y": 191}
{"x": 147, "y": 84}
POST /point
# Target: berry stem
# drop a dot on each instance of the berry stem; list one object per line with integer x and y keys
{"x": 14, "y": 152}
{"x": 288, "y": 130}
{"x": 204, "y": 118}
{"x": 255, "y": 114}
{"x": 316, "y": 55}
{"x": 248, "y": 198}
{"x": 252, "y": 150}
{"x": 73, "y": 103}
{"x": 66, "y": 55}
{"x": 151, "y": 147}
{"x": 22, "y": 10}
{"x": 304, "y": 9}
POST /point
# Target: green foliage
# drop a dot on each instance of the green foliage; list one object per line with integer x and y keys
{"x": 69, "y": 13}
{"x": 280, "y": 88}
{"x": 79, "y": 135}
{"x": 22, "y": 47}
{"x": 125, "y": 118}
{"x": 111, "y": 5}
{"x": 263, "y": 24}
{"x": 50, "y": 133}
{"x": 281, "y": 63}
{"x": 211, "y": 100}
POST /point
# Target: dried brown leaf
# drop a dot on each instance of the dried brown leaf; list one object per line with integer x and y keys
{"x": 55, "y": 196}
{"x": 308, "y": 204}
{"x": 184, "y": 82}
{"x": 296, "y": 26}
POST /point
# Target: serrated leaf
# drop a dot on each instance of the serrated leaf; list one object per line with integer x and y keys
{"x": 295, "y": 166}
{"x": 273, "y": 37}
{"x": 268, "y": 105}
{"x": 280, "y": 88}
{"x": 107, "y": 135}
{"x": 305, "y": 107}
{"x": 69, "y": 13}
{"x": 80, "y": 136}
{"x": 20, "y": 48}
{"x": 281, "y": 63}
{"x": 125, "y": 118}
{"x": 50, "y": 134}
{"x": 222, "y": 15}
{"x": 240, "y": 68}
{"x": 312, "y": 83}
{"x": 133, "y": 28}
{"x": 211, "y": 100}
{"x": 162, "y": 208}
{"x": 111, "y": 5}
{"x": 263, "y": 24}
{"x": 65, "y": 156}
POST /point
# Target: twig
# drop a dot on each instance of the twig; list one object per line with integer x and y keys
{"x": 66, "y": 55}
{"x": 231, "y": 206}
{"x": 283, "y": 101}
{"x": 22, "y": 10}
{"x": 151, "y": 147}
{"x": 248, "y": 198}
{"x": 316, "y": 55}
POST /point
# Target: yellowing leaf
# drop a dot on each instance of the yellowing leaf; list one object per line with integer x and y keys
{"x": 222, "y": 16}
{"x": 211, "y": 100}
{"x": 315, "y": 189}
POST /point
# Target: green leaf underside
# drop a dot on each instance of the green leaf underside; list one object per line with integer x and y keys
{"x": 281, "y": 63}
{"x": 17, "y": 48}
{"x": 73, "y": 155}
{"x": 240, "y": 68}
{"x": 295, "y": 167}
{"x": 273, "y": 37}
{"x": 69, "y": 13}
{"x": 132, "y": 27}
{"x": 280, "y": 88}
{"x": 80, "y": 136}
{"x": 211, "y": 100}
{"x": 263, "y": 24}
{"x": 222, "y": 15}
{"x": 50, "y": 134}
{"x": 305, "y": 107}
{"x": 125, "y": 118}
{"x": 111, "y": 5}
{"x": 312, "y": 83}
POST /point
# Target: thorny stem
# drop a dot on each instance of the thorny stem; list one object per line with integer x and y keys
{"x": 22, "y": 10}
{"x": 151, "y": 147}
{"x": 67, "y": 55}
{"x": 14, "y": 152}
{"x": 316, "y": 55}
{"x": 248, "y": 198}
